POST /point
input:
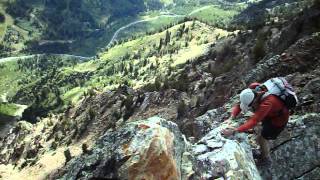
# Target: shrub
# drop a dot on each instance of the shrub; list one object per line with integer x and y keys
{"x": 259, "y": 50}
{"x": 226, "y": 51}
{"x": 222, "y": 67}
{"x": 2, "y": 18}
{"x": 149, "y": 87}
{"x": 92, "y": 113}
{"x": 181, "y": 109}
{"x": 186, "y": 44}
{"x": 181, "y": 83}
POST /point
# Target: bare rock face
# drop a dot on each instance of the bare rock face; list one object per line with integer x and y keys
{"x": 26, "y": 143}
{"x": 217, "y": 157}
{"x": 156, "y": 149}
{"x": 296, "y": 153}
{"x": 150, "y": 149}
{"x": 209, "y": 121}
{"x": 302, "y": 56}
{"x": 13, "y": 146}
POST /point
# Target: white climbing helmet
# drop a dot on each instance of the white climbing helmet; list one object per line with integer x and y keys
{"x": 246, "y": 98}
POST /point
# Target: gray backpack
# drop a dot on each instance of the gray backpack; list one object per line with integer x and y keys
{"x": 280, "y": 87}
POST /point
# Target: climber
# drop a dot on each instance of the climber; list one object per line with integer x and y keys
{"x": 268, "y": 109}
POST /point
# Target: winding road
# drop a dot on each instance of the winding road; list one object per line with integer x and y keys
{"x": 166, "y": 14}
{"x": 115, "y": 35}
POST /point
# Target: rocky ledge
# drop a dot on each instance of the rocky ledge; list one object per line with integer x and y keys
{"x": 156, "y": 149}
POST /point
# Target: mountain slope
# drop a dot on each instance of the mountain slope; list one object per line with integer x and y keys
{"x": 155, "y": 57}
{"x": 189, "y": 74}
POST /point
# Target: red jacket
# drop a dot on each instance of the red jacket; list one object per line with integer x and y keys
{"x": 271, "y": 108}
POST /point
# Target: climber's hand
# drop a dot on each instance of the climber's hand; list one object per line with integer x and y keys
{"x": 228, "y": 131}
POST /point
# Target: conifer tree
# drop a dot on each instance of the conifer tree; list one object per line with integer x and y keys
{"x": 160, "y": 44}
{"x": 167, "y": 39}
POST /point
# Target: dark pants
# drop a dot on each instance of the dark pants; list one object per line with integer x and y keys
{"x": 269, "y": 131}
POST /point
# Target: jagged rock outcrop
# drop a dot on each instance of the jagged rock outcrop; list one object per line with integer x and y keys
{"x": 156, "y": 149}
{"x": 309, "y": 95}
{"x": 209, "y": 121}
{"x": 300, "y": 57}
{"x": 14, "y": 145}
{"x": 25, "y": 142}
{"x": 150, "y": 149}
{"x": 131, "y": 150}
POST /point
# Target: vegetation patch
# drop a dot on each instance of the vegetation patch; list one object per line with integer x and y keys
{"x": 10, "y": 77}
{"x": 216, "y": 16}
{"x": 139, "y": 61}
{"x": 8, "y": 109}
{"x": 74, "y": 95}
{"x": 2, "y": 25}
{"x": 2, "y": 18}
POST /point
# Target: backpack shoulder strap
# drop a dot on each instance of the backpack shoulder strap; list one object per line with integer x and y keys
{"x": 282, "y": 90}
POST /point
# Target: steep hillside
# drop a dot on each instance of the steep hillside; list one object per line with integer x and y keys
{"x": 138, "y": 63}
{"x": 153, "y": 106}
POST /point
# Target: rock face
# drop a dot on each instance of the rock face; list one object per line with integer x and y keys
{"x": 301, "y": 57}
{"x": 26, "y": 143}
{"x": 14, "y": 146}
{"x": 150, "y": 149}
{"x": 156, "y": 149}
{"x": 209, "y": 121}
{"x": 296, "y": 153}
{"x": 217, "y": 157}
